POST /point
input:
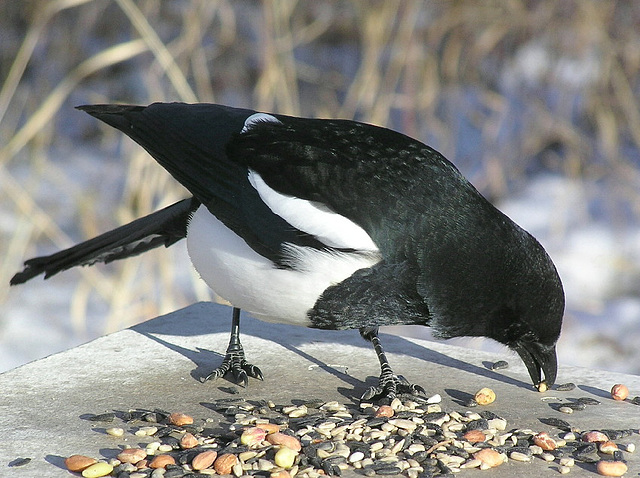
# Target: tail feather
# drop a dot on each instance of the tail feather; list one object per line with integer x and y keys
{"x": 164, "y": 227}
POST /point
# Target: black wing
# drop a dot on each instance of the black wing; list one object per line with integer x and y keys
{"x": 190, "y": 141}
{"x": 162, "y": 228}
{"x": 384, "y": 181}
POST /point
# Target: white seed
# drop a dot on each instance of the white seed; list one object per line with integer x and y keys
{"x": 237, "y": 469}
{"x": 337, "y": 430}
{"x": 356, "y": 456}
{"x": 518, "y": 456}
{"x": 375, "y": 446}
{"x": 333, "y": 406}
{"x": 300, "y": 411}
{"x": 115, "y": 431}
{"x": 403, "y": 423}
{"x": 497, "y": 423}
{"x": 414, "y": 472}
{"x": 564, "y": 470}
{"x": 535, "y": 449}
{"x": 434, "y": 398}
{"x": 458, "y": 460}
{"x": 357, "y": 424}
{"x": 388, "y": 459}
{"x": 397, "y": 447}
{"x": 388, "y": 427}
{"x": 265, "y": 465}
{"x": 378, "y": 434}
{"x": 473, "y": 463}
{"x": 456, "y": 416}
{"x": 416, "y": 447}
{"x": 154, "y": 445}
{"x": 567, "y": 461}
{"x": 322, "y": 454}
{"x": 326, "y": 426}
{"x": 455, "y": 427}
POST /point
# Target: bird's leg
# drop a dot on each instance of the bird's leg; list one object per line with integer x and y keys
{"x": 234, "y": 361}
{"x": 390, "y": 385}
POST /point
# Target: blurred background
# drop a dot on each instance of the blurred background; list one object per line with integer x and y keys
{"x": 536, "y": 102}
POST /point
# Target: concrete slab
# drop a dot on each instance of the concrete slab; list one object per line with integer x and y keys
{"x": 158, "y": 364}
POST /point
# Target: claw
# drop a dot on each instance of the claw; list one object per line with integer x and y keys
{"x": 253, "y": 371}
{"x": 410, "y": 388}
{"x": 234, "y": 360}
{"x": 240, "y": 369}
{"x": 240, "y": 377}
{"x": 389, "y": 387}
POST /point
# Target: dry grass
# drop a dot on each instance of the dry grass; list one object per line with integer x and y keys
{"x": 439, "y": 71}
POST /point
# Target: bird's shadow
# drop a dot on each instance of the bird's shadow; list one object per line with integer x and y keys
{"x": 214, "y": 318}
{"x": 595, "y": 391}
{"x": 56, "y": 460}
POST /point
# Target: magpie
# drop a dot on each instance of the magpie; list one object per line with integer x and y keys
{"x": 333, "y": 224}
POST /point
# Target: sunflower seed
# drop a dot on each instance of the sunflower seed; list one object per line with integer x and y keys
{"x": 565, "y": 387}
{"x": 500, "y": 365}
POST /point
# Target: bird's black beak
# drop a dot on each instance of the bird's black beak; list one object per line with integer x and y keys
{"x": 539, "y": 358}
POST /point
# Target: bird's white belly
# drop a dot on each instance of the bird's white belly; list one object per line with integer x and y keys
{"x": 251, "y": 282}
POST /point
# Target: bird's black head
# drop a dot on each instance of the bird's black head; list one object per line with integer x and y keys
{"x": 496, "y": 282}
{"x": 531, "y": 323}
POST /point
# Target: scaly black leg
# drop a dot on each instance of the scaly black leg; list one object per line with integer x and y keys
{"x": 390, "y": 385}
{"x": 234, "y": 360}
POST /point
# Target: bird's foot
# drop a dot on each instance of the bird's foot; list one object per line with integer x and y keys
{"x": 235, "y": 363}
{"x": 389, "y": 387}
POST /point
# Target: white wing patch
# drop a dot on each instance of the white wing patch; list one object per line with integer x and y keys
{"x": 258, "y": 118}
{"x": 314, "y": 218}
{"x": 253, "y": 283}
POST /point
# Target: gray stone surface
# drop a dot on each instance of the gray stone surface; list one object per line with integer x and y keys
{"x": 158, "y": 364}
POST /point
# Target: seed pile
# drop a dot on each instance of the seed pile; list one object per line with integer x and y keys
{"x": 309, "y": 439}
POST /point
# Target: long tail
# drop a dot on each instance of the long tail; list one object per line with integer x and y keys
{"x": 164, "y": 227}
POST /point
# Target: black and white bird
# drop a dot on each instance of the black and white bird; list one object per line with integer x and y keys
{"x": 333, "y": 224}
